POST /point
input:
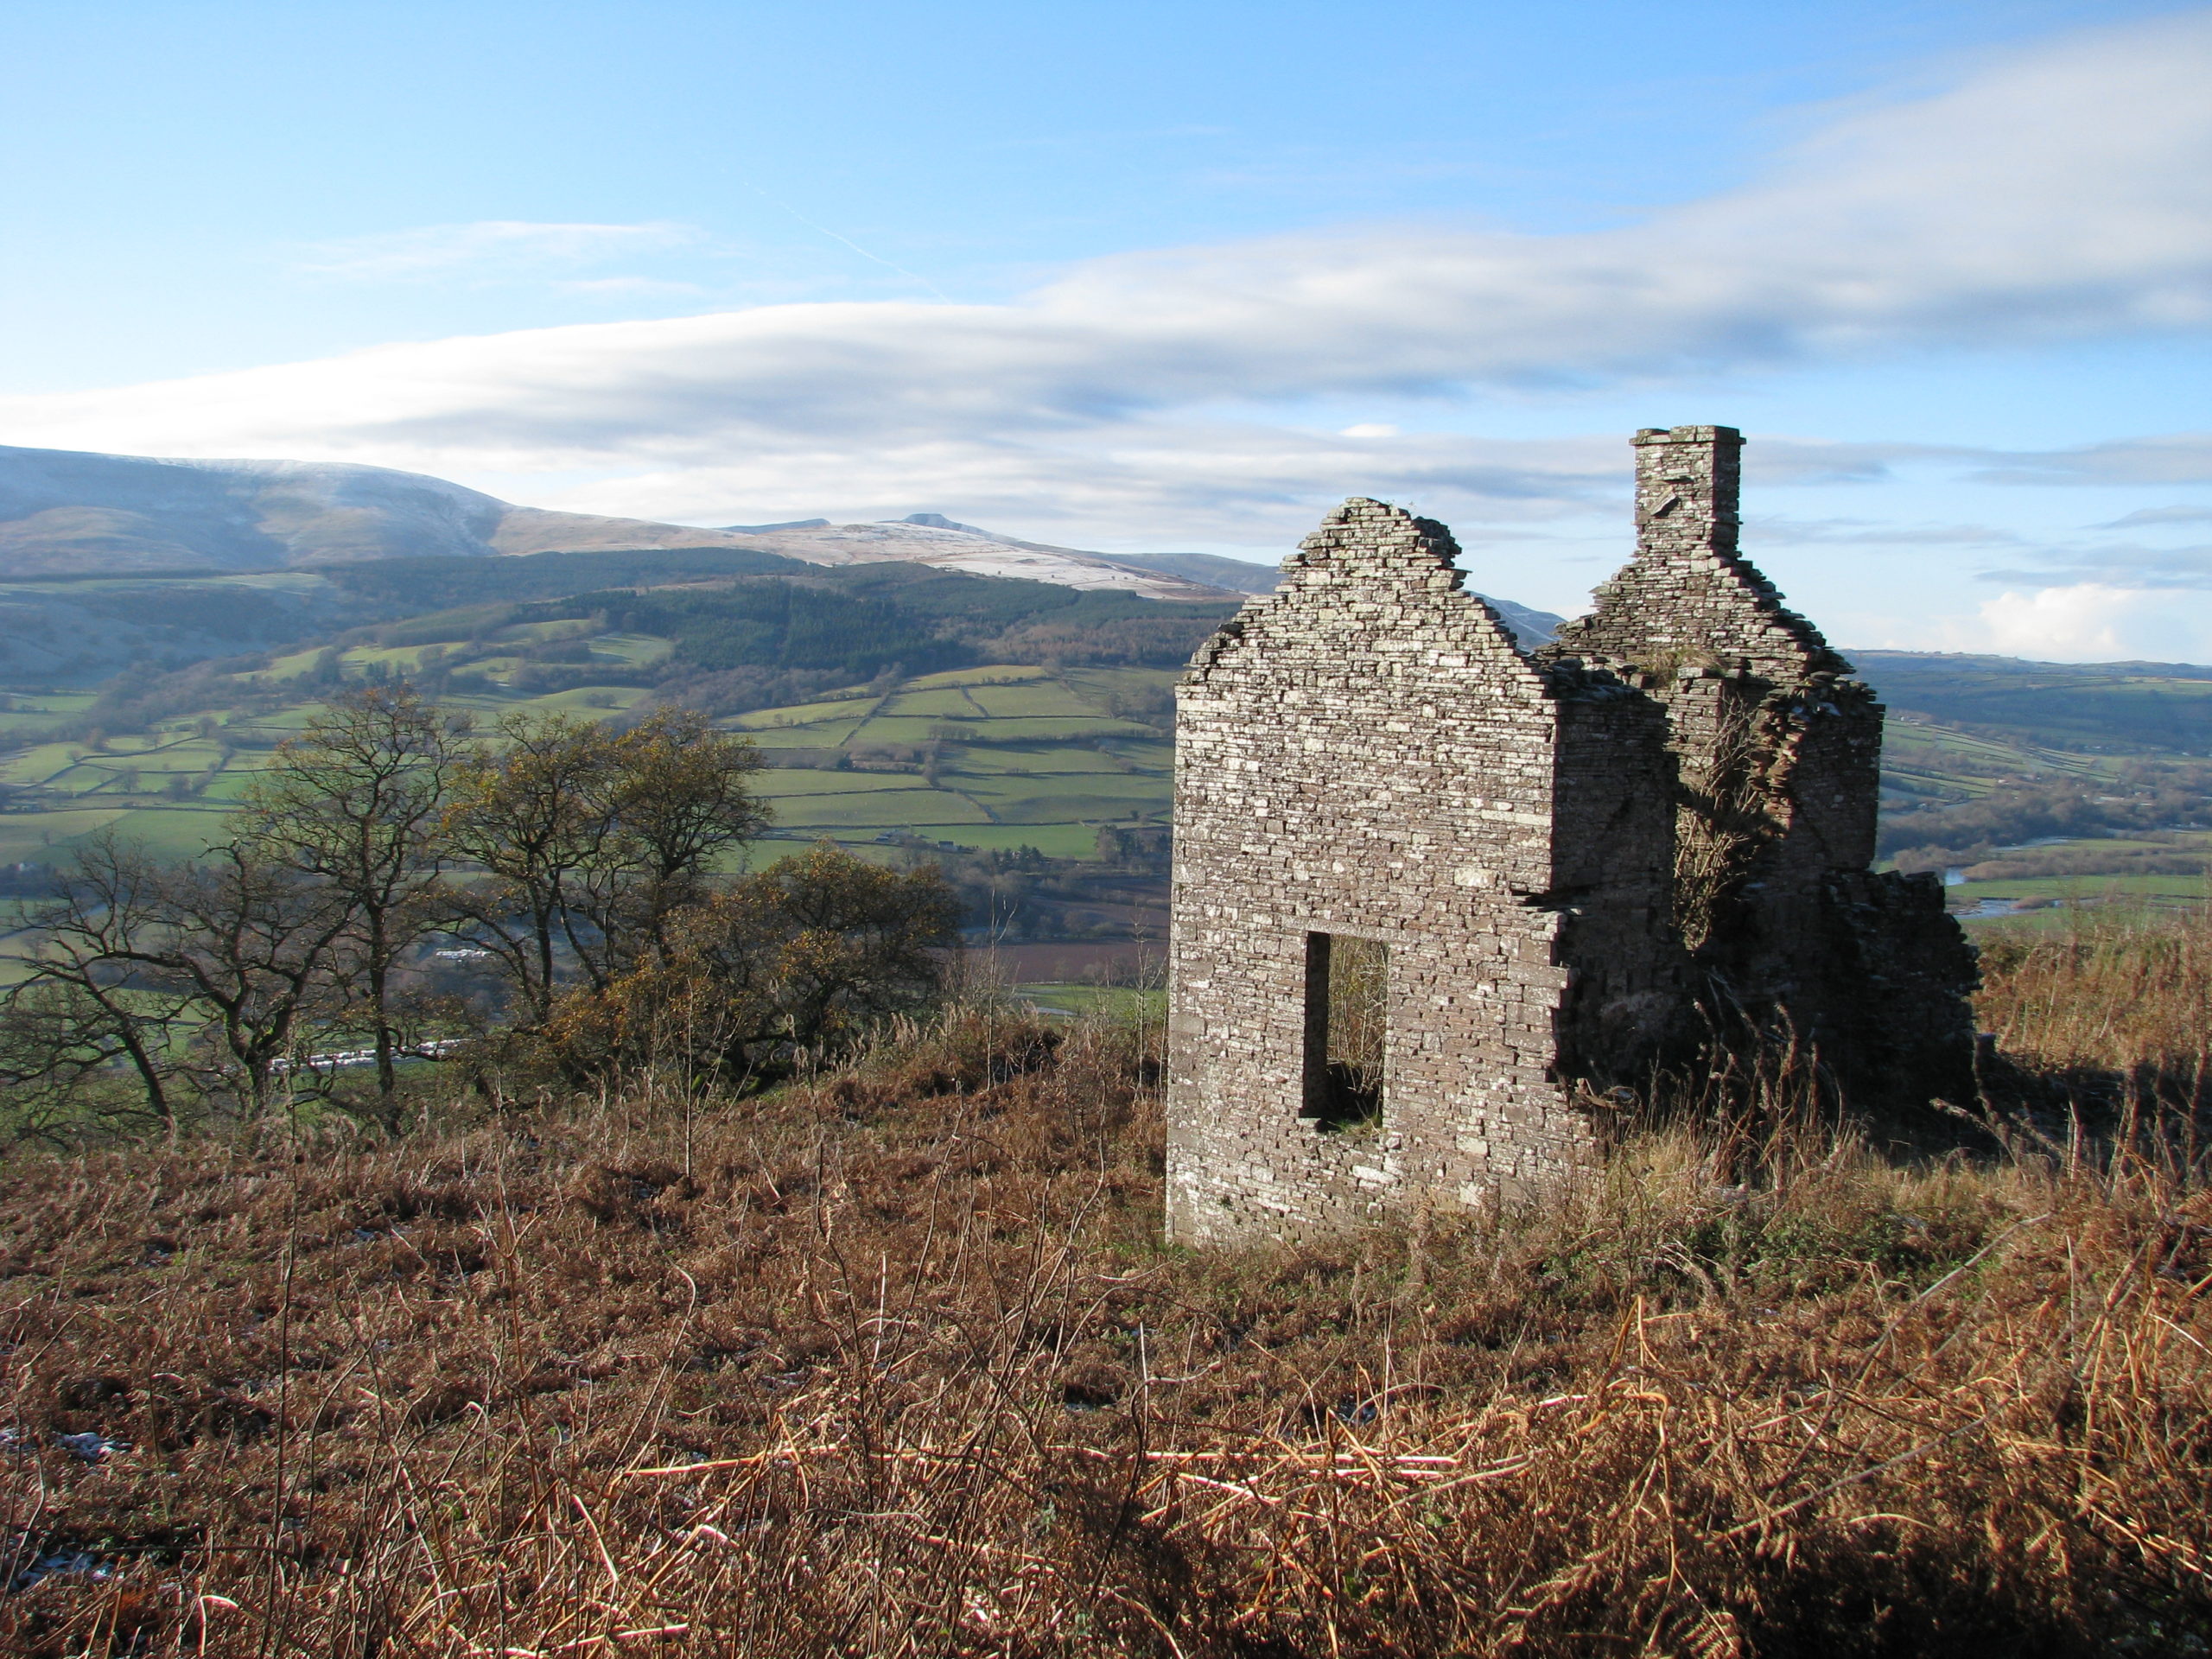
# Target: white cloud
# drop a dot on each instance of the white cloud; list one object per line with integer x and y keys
{"x": 1210, "y": 481}
{"x": 1859, "y": 533}
{"x": 2180, "y": 458}
{"x": 2126, "y": 564}
{"x": 2056, "y": 193}
{"x": 2084, "y": 623}
{"x": 488, "y": 247}
{"x": 2147, "y": 517}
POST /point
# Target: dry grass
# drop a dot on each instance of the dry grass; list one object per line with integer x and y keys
{"x": 894, "y": 1364}
{"x": 2109, "y": 991}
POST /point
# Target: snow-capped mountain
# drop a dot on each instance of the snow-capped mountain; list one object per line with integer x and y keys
{"x": 71, "y": 512}
{"x": 932, "y": 539}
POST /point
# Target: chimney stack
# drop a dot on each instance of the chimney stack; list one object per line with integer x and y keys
{"x": 1688, "y": 485}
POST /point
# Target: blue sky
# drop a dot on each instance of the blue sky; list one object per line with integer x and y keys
{"x": 1146, "y": 276}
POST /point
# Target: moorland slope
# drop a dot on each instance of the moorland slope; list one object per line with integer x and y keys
{"x": 69, "y": 513}
{"x": 894, "y": 1363}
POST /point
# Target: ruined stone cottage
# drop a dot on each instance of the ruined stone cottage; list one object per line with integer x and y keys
{"x": 1439, "y": 899}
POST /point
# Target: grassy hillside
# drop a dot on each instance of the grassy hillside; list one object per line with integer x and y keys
{"x": 2097, "y": 708}
{"x": 959, "y": 712}
{"x": 997, "y": 757}
{"x": 875, "y": 690}
{"x": 78, "y": 630}
{"x": 66, "y": 510}
{"x": 1002, "y": 756}
{"x": 895, "y": 1364}
{"x": 2022, "y": 828}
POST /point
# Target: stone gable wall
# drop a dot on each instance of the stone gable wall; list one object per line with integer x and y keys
{"x": 1688, "y": 596}
{"x": 1365, "y": 752}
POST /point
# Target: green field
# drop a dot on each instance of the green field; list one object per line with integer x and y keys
{"x": 2088, "y": 707}
{"x": 2179, "y": 892}
{"x": 1120, "y": 1004}
{"x": 1932, "y": 767}
{"x": 1022, "y": 756}
{"x": 1925, "y": 761}
{"x": 841, "y": 711}
{"x": 1016, "y": 756}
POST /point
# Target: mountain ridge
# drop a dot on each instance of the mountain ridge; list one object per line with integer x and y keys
{"x": 82, "y": 514}
{"x": 66, "y": 512}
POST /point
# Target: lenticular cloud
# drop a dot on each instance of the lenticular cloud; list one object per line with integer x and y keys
{"x": 2060, "y": 192}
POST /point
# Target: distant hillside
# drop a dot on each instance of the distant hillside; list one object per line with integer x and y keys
{"x": 68, "y": 513}
{"x": 899, "y": 697}
{"x": 78, "y": 630}
{"x": 74, "y": 514}
{"x": 58, "y": 631}
{"x": 1238, "y": 576}
{"x": 2106, "y": 706}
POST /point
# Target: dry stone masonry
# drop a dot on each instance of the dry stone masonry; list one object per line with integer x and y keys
{"x": 1440, "y": 901}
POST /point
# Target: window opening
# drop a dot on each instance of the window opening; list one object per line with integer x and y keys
{"x": 1347, "y": 989}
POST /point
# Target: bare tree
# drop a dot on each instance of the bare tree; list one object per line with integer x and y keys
{"x": 260, "y": 949}
{"x": 97, "y": 994}
{"x": 356, "y": 805}
{"x": 527, "y": 812}
{"x": 593, "y": 839}
{"x": 239, "y": 951}
{"x": 682, "y": 798}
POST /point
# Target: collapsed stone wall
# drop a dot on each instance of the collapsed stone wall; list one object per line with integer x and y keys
{"x": 1778, "y": 752}
{"x": 1628, "y": 999}
{"x": 1366, "y": 755}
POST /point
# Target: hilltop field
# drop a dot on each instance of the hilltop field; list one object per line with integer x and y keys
{"x": 902, "y": 711}
{"x": 893, "y": 1361}
{"x": 2035, "y": 786}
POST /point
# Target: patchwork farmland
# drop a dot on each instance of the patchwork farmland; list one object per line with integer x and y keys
{"x": 998, "y": 757}
{"x": 980, "y": 758}
{"x": 2034, "y": 788}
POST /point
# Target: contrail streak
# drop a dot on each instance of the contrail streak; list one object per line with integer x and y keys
{"x": 911, "y": 276}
